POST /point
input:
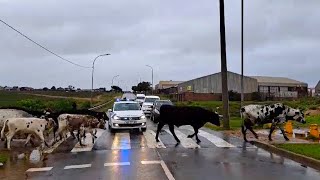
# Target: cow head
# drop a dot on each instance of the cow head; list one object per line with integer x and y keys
{"x": 214, "y": 118}
{"x": 296, "y": 115}
{"x": 50, "y": 123}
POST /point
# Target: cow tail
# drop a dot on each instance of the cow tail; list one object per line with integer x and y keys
{"x": 3, "y": 128}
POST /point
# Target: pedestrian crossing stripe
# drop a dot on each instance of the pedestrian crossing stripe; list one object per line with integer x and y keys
{"x": 151, "y": 141}
{"x": 185, "y": 142}
{"x": 121, "y": 141}
{"x": 215, "y": 140}
{"x": 87, "y": 142}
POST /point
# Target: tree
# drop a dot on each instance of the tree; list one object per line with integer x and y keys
{"x": 45, "y": 89}
{"x": 116, "y": 89}
{"x": 53, "y": 88}
{"x": 224, "y": 71}
{"x": 134, "y": 88}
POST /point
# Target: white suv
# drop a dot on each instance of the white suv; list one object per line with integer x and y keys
{"x": 140, "y": 98}
{"x": 148, "y": 104}
{"x": 126, "y": 115}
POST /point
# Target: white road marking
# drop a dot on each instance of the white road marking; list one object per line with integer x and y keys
{"x": 117, "y": 164}
{"x": 150, "y": 162}
{"x": 121, "y": 141}
{"x": 81, "y": 166}
{"x": 39, "y": 169}
{"x": 214, "y": 139}
{"x": 151, "y": 141}
{"x": 185, "y": 142}
{"x": 166, "y": 171}
{"x": 87, "y": 142}
{"x": 55, "y": 146}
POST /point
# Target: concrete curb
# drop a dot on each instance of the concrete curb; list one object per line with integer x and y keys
{"x": 304, "y": 160}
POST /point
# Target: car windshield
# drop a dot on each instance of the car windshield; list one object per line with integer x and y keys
{"x": 151, "y": 100}
{"x": 126, "y": 107}
{"x": 140, "y": 97}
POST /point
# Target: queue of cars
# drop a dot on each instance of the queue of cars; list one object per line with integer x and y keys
{"x": 132, "y": 111}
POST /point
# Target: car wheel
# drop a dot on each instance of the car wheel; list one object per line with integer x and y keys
{"x": 143, "y": 129}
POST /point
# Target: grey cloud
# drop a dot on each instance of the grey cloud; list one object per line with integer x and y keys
{"x": 180, "y": 39}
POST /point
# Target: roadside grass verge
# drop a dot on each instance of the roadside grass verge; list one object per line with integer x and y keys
{"x": 3, "y": 158}
{"x": 310, "y": 150}
{"x": 235, "y": 124}
{"x": 34, "y": 102}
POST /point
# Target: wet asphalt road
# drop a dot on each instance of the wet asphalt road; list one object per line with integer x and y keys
{"x": 130, "y": 155}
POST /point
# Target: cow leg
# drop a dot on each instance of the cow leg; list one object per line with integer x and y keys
{"x": 196, "y": 130}
{"x": 43, "y": 142}
{"x": 273, "y": 127}
{"x": 171, "y": 128}
{"x": 160, "y": 126}
{"x": 79, "y": 138}
{"x": 9, "y": 138}
{"x": 284, "y": 133}
{"x": 244, "y": 133}
{"x": 251, "y": 129}
{"x": 27, "y": 141}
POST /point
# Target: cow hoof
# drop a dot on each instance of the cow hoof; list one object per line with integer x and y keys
{"x": 198, "y": 141}
{"x": 190, "y": 136}
{"x": 287, "y": 139}
{"x": 270, "y": 139}
{"x": 257, "y": 137}
{"x": 157, "y": 140}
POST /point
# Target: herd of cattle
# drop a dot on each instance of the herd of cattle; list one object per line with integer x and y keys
{"x": 82, "y": 121}
{"x": 41, "y": 123}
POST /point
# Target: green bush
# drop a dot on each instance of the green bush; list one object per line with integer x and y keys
{"x": 32, "y": 104}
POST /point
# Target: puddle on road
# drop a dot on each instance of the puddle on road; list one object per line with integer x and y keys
{"x": 19, "y": 161}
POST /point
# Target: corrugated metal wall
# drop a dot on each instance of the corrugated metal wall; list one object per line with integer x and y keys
{"x": 212, "y": 84}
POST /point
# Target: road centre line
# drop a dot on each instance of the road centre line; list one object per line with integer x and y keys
{"x": 39, "y": 169}
{"x": 81, "y": 166}
{"x": 117, "y": 164}
{"x": 150, "y": 162}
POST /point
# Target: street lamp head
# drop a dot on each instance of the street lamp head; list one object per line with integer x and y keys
{"x": 105, "y": 54}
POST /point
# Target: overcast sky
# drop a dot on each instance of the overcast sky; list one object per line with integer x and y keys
{"x": 180, "y": 39}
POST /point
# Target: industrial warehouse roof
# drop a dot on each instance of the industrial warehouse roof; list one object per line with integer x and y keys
{"x": 170, "y": 82}
{"x": 278, "y": 81}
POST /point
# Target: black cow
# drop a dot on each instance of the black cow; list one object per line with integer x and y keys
{"x": 179, "y": 116}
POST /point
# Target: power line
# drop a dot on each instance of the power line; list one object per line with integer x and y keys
{"x": 55, "y": 54}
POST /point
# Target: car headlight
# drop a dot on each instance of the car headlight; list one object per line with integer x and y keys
{"x": 143, "y": 117}
{"x": 115, "y": 117}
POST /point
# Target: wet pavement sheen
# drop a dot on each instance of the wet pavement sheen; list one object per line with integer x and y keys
{"x": 243, "y": 161}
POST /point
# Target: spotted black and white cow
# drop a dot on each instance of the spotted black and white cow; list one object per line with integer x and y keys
{"x": 277, "y": 114}
{"x": 30, "y": 126}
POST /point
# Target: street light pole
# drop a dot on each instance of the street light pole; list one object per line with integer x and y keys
{"x": 92, "y": 75}
{"x": 242, "y": 85}
{"x": 224, "y": 71}
{"x": 152, "y": 78}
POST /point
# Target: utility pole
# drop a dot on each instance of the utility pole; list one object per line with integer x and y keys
{"x": 242, "y": 85}
{"x": 224, "y": 71}
{"x": 152, "y": 78}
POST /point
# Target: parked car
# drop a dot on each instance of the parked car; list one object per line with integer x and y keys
{"x": 148, "y": 104}
{"x": 140, "y": 98}
{"x": 126, "y": 115}
{"x": 155, "y": 113}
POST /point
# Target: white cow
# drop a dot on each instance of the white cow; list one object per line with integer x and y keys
{"x": 35, "y": 126}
